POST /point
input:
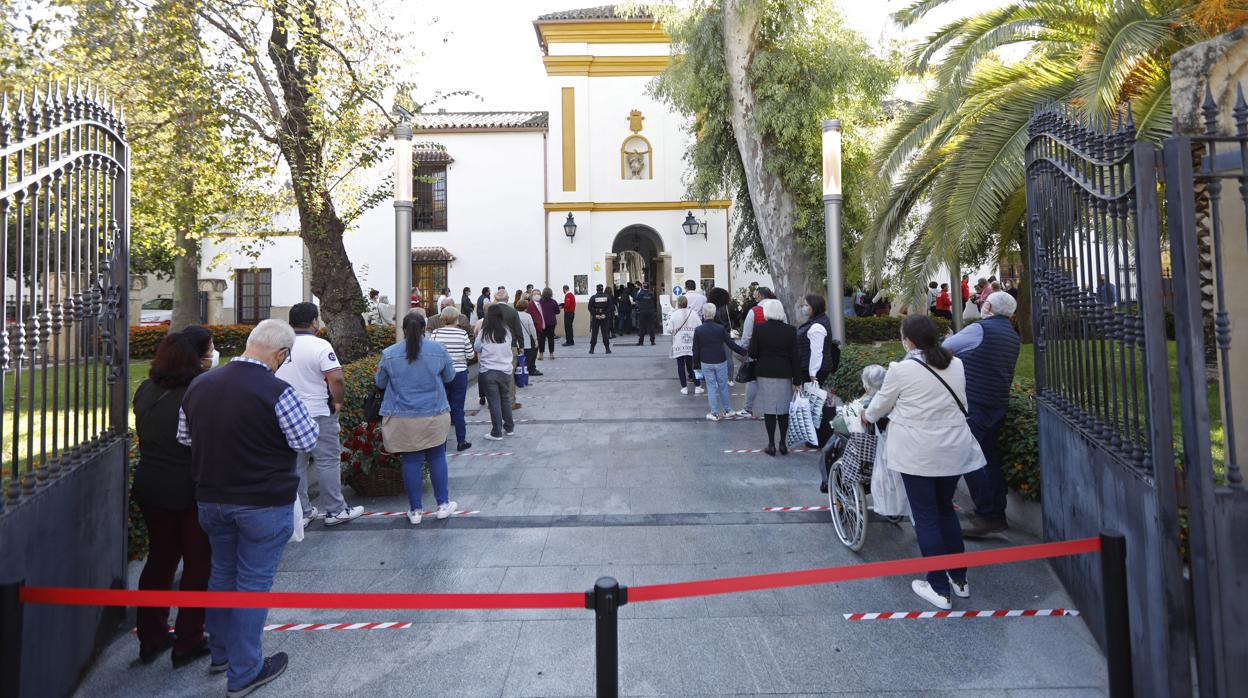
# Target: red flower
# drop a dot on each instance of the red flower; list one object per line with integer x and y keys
{"x": 358, "y": 469}
{"x": 367, "y": 448}
{"x": 345, "y": 456}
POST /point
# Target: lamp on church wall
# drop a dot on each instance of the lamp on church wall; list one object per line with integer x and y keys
{"x": 693, "y": 226}
{"x": 569, "y": 227}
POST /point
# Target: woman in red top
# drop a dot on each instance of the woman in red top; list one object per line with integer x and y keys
{"x": 569, "y": 311}
{"x": 944, "y": 303}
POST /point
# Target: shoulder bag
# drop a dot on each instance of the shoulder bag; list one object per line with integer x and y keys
{"x": 942, "y": 382}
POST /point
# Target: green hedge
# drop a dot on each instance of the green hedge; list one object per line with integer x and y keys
{"x": 230, "y": 340}
{"x": 1019, "y": 442}
{"x": 865, "y": 330}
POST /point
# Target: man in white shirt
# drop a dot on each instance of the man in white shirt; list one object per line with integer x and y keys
{"x": 312, "y": 369}
{"x": 697, "y": 298}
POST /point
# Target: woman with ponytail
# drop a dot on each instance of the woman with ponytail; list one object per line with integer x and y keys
{"x": 415, "y": 414}
{"x": 931, "y": 445}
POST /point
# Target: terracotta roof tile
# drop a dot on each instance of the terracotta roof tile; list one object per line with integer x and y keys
{"x": 432, "y": 254}
{"x": 441, "y": 121}
{"x": 600, "y": 12}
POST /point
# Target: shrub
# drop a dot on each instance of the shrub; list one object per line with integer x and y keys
{"x": 363, "y": 450}
{"x": 865, "y": 330}
{"x": 1019, "y": 439}
{"x": 358, "y": 376}
{"x": 230, "y": 340}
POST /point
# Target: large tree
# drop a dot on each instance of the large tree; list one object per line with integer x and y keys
{"x": 757, "y": 77}
{"x": 306, "y": 77}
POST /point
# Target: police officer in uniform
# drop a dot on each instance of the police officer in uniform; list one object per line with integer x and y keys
{"x": 601, "y": 308}
{"x": 646, "y": 314}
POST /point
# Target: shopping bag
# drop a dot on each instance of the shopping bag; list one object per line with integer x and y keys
{"x": 888, "y": 492}
{"x": 296, "y": 533}
{"x": 859, "y": 458}
{"x": 970, "y": 312}
{"x": 816, "y": 395}
{"x": 522, "y": 372}
{"x": 801, "y": 422}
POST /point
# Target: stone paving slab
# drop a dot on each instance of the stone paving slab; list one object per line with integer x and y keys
{"x": 618, "y": 474}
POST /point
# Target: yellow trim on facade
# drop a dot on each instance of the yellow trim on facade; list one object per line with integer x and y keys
{"x": 568, "y": 127}
{"x": 635, "y": 205}
{"x": 634, "y": 32}
{"x": 606, "y": 66}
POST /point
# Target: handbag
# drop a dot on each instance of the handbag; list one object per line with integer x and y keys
{"x": 747, "y": 372}
{"x": 372, "y": 404}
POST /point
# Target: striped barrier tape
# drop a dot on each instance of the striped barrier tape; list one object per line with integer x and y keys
{"x": 282, "y": 627}
{"x": 479, "y": 453}
{"x": 382, "y": 514}
{"x": 923, "y": 615}
{"x": 822, "y": 508}
{"x": 759, "y": 450}
{"x": 71, "y": 596}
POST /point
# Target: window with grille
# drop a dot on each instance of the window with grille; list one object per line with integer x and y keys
{"x": 252, "y": 295}
{"x": 430, "y": 278}
{"x": 430, "y": 195}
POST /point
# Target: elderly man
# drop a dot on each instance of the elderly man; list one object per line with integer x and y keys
{"x": 517, "y": 335}
{"x": 243, "y": 464}
{"x": 436, "y": 321}
{"x": 988, "y": 350}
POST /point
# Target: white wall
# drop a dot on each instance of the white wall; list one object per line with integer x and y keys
{"x": 282, "y": 254}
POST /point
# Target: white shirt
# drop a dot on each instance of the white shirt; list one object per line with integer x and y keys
{"x": 495, "y": 356}
{"x": 816, "y": 334}
{"x": 310, "y": 359}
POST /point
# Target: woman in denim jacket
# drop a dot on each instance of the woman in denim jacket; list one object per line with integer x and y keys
{"x": 415, "y": 413}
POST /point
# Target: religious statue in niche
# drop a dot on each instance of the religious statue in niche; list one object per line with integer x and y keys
{"x": 635, "y": 154}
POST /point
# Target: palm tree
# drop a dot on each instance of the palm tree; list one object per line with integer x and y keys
{"x": 956, "y": 158}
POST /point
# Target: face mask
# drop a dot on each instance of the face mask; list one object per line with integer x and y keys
{"x": 803, "y": 313}
{"x": 216, "y": 358}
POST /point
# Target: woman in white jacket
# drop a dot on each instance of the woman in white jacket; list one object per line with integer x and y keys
{"x": 930, "y": 444}
{"x": 680, "y": 325}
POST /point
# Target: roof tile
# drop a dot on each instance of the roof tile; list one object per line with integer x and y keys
{"x": 600, "y": 12}
{"x": 438, "y": 121}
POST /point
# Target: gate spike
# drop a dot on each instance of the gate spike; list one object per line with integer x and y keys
{"x": 1240, "y": 112}
{"x": 1210, "y": 109}
{"x": 1130, "y": 118}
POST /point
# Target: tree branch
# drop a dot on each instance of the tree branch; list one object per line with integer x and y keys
{"x": 223, "y": 25}
{"x": 253, "y": 122}
{"x": 355, "y": 78}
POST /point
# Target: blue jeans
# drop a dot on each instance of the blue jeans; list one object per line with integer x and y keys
{"x": 936, "y": 523}
{"x": 716, "y": 377}
{"x": 414, "y": 474}
{"x": 456, "y": 390}
{"x": 247, "y": 544}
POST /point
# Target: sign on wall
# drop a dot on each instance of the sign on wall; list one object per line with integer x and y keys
{"x": 580, "y": 284}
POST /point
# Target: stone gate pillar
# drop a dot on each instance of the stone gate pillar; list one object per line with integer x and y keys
{"x": 138, "y": 283}
{"x": 215, "y": 288}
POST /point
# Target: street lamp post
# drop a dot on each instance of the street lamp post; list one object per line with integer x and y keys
{"x": 832, "y": 224}
{"x": 403, "y": 206}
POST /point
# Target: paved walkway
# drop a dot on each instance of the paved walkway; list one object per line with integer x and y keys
{"x": 614, "y": 472}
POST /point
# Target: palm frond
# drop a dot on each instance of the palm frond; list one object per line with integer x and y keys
{"x": 984, "y": 34}
{"x": 903, "y": 198}
{"x": 1125, "y": 38}
{"x": 916, "y": 11}
{"x": 1152, "y": 109}
{"x": 913, "y": 131}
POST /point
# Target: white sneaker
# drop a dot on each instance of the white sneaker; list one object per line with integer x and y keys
{"x": 510, "y": 433}
{"x": 710, "y": 417}
{"x": 311, "y": 515}
{"x": 492, "y": 437}
{"x": 413, "y": 517}
{"x": 445, "y": 510}
{"x": 732, "y": 384}
{"x": 699, "y": 391}
{"x": 347, "y": 514}
{"x": 746, "y": 413}
{"x": 925, "y": 590}
{"x": 684, "y": 390}
{"x": 962, "y": 591}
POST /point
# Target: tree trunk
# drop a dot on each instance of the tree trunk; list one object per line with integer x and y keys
{"x": 185, "y": 283}
{"x": 773, "y": 205}
{"x": 333, "y": 279}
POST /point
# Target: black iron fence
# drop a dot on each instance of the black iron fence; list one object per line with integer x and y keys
{"x": 64, "y": 204}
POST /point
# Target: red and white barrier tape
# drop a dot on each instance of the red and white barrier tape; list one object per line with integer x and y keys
{"x": 486, "y": 421}
{"x": 282, "y": 627}
{"x": 922, "y": 615}
{"x": 759, "y": 450}
{"x": 381, "y": 514}
{"x": 822, "y": 508}
{"x": 479, "y": 453}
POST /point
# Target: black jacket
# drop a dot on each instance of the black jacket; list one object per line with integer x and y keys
{"x": 773, "y": 346}
{"x": 163, "y": 476}
{"x": 709, "y": 341}
{"x": 601, "y": 304}
{"x": 646, "y": 302}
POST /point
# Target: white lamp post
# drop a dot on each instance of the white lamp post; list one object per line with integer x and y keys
{"x": 403, "y": 206}
{"x": 832, "y": 224}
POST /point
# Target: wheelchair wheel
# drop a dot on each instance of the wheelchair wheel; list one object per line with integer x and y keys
{"x": 847, "y": 503}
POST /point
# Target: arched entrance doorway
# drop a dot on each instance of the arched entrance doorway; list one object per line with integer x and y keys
{"x": 637, "y": 255}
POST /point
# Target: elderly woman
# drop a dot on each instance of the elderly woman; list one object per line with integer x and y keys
{"x": 529, "y": 329}
{"x": 452, "y": 336}
{"x": 550, "y": 312}
{"x": 681, "y": 326}
{"x": 415, "y": 412}
{"x": 930, "y": 444}
{"x": 709, "y": 341}
{"x": 773, "y": 346}
{"x": 754, "y": 317}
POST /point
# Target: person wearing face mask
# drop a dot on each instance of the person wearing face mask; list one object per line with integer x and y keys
{"x": 989, "y": 350}
{"x": 165, "y": 494}
{"x": 818, "y": 353}
{"x": 315, "y": 374}
{"x": 931, "y": 445}
{"x": 243, "y": 465}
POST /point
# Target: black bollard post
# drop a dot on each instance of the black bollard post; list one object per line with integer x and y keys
{"x": 10, "y": 639}
{"x": 605, "y": 599}
{"x": 1117, "y": 614}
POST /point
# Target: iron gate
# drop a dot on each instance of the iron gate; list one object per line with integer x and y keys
{"x": 1101, "y": 363}
{"x": 64, "y": 205}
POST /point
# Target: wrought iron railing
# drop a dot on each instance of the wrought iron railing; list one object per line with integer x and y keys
{"x": 64, "y": 210}
{"x": 1089, "y": 332}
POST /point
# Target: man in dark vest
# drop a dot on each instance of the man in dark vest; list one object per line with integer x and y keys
{"x": 647, "y": 312}
{"x": 988, "y": 350}
{"x": 601, "y": 306}
{"x": 245, "y": 426}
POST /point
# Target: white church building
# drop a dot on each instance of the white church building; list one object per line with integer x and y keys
{"x": 494, "y": 198}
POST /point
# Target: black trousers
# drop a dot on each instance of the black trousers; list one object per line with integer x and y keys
{"x": 645, "y": 325}
{"x": 567, "y": 328}
{"x": 547, "y": 339}
{"x": 603, "y": 326}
